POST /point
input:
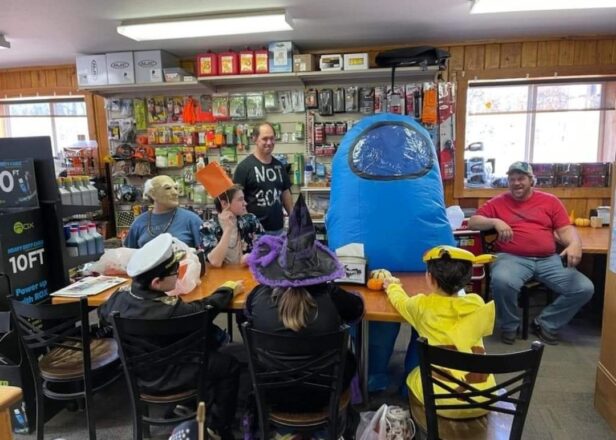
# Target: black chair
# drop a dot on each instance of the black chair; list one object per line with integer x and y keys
{"x": 152, "y": 345}
{"x": 65, "y": 371}
{"x": 530, "y": 288}
{"x": 510, "y": 397}
{"x": 315, "y": 363}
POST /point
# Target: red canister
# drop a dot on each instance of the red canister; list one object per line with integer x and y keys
{"x": 228, "y": 63}
{"x": 247, "y": 62}
{"x": 261, "y": 61}
{"x": 207, "y": 64}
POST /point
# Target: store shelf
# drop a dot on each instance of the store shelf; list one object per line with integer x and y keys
{"x": 315, "y": 189}
{"x": 83, "y": 259}
{"x": 168, "y": 88}
{"x": 67, "y": 211}
{"x": 208, "y": 84}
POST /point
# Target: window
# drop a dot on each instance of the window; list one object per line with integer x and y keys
{"x": 539, "y": 122}
{"x": 60, "y": 119}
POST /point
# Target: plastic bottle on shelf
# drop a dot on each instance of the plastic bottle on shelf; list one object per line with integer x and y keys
{"x": 308, "y": 170}
{"x": 76, "y": 198}
{"x": 98, "y": 238}
{"x": 90, "y": 241}
{"x": 75, "y": 244}
{"x": 65, "y": 195}
{"x": 92, "y": 191}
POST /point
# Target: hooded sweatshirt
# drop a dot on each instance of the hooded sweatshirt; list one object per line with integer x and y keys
{"x": 454, "y": 322}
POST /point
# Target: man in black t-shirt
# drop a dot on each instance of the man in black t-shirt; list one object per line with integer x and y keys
{"x": 265, "y": 181}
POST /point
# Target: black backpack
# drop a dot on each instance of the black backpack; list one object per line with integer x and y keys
{"x": 413, "y": 56}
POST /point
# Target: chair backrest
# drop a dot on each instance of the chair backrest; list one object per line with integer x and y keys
{"x": 516, "y": 390}
{"x": 278, "y": 361}
{"x": 150, "y": 346}
{"x": 42, "y": 327}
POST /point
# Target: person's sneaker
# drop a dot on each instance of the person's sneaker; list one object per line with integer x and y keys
{"x": 508, "y": 337}
{"x": 543, "y": 334}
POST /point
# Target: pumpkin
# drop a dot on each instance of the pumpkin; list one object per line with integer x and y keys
{"x": 380, "y": 274}
{"x": 375, "y": 284}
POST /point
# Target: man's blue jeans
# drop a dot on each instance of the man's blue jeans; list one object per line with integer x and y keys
{"x": 510, "y": 272}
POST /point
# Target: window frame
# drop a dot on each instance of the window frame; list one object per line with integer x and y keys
{"x": 516, "y": 76}
{"x": 50, "y": 101}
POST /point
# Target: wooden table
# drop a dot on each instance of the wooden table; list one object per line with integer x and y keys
{"x": 594, "y": 240}
{"x": 377, "y": 306}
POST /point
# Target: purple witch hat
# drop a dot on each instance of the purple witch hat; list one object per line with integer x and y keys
{"x": 297, "y": 259}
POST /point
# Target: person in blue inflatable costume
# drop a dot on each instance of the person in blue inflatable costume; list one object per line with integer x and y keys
{"x": 386, "y": 193}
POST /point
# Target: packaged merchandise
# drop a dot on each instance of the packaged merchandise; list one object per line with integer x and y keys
{"x": 255, "y": 108}
{"x": 207, "y": 64}
{"x": 91, "y": 70}
{"x": 149, "y": 65}
{"x": 270, "y": 100}
{"x": 311, "y": 99}
{"x": 220, "y": 106}
{"x": 281, "y": 56}
{"x": 326, "y": 104}
{"x": 298, "y": 100}
{"x": 366, "y": 100}
{"x": 339, "y": 102}
{"x": 247, "y": 62}
{"x": 285, "y": 101}
{"x": 261, "y": 60}
{"x": 356, "y": 61}
{"x": 351, "y": 99}
{"x": 228, "y": 63}
{"x": 120, "y": 68}
{"x": 237, "y": 106}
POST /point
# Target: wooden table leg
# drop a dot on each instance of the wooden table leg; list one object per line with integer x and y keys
{"x": 9, "y": 396}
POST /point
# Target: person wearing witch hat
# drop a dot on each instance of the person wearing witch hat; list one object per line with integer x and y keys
{"x": 227, "y": 238}
{"x": 154, "y": 270}
{"x": 296, "y": 297}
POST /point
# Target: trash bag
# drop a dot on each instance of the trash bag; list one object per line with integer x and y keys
{"x": 113, "y": 261}
{"x": 389, "y": 422}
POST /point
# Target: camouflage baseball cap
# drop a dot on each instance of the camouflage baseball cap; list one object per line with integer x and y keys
{"x": 520, "y": 167}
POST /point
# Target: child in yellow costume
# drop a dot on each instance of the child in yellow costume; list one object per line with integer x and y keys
{"x": 448, "y": 317}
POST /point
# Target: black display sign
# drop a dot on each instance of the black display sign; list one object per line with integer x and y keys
{"x": 23, "y": 257}
{"x": 17, "y": 184}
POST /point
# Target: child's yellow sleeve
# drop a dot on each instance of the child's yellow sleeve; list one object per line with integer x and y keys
{"x": 407, "y": 306}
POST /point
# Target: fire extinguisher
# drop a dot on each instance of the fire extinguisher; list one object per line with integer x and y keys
{"x": 447, "y": 160}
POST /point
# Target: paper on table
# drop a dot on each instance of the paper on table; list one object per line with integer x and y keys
{"x": 90, "y": 286}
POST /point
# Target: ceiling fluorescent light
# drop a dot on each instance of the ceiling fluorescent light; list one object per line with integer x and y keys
{"x": 232, "y": 23}
{"x": 3, "y": 43}
{"x": 495, "y": 6}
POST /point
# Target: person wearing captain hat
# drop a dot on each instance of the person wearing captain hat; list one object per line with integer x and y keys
{"x": 296, "y": 297}
{"x": 228, "y": 237}
{"x": 447, "y": 316}
{"x": 154, "y": 270}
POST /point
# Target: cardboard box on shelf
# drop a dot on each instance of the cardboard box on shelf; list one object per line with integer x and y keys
{"x": 120, "y": 67}
{"x": 331, "y": 62}
{"x": 91, "y": 70}
{"x": 281, "y": 56}
{"x": 304, "y": 63}
{"x": 149, "y": 65}
{"x": 356, "y": 61}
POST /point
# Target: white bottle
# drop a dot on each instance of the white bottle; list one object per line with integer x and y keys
{"x": 89, "y": 240}
{"x": 74, "y": 243}
{"x": 92, "y": 190}
{"x": 75, "y": 193}
{"x": 65, "y": 195}
{"x": 98, "y": 238}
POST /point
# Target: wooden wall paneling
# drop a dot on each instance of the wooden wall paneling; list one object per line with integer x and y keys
{"x": 456, "y": 58}
{"x": 565, "y": 53}
{"x": 63, "y": 78}
{"x": 473, "y": 57}
{"x": 492, "y": 56}
{"x": 511, "y": 55}
{"x": 13, "y": 80}
{"x": 39, "y": 79}
{"x": 448, "y": 193}
{"x": 462, "y": 90}
{"x": 547, "y": 53}
{"x": 585, "y": 52}
{"x": 25, "y": 80}
{"x": 529, "y": 54}
{"x": 606, "y": 51}
{"x": 50, "y": 78}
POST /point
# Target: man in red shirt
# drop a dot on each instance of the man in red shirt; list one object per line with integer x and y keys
{"x": 527, "y": 222}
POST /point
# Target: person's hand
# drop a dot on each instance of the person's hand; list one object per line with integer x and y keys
{"x": 244, "y": 260}
{"x": 390, "y": 280}
{"x": 505, "y": 233}
{"x": 227, "y": 220}
{"x": 573, "y": 254}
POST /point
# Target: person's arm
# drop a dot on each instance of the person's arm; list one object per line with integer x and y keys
{"x": 219, "y": 300}
{"x": 132, "y": 237}
{"x": 569, "y": 237}
{"x": 287, "y": 201}
{"x": 350, "y": 305}
{"x": 483, "y": 223}
{"x": 405, "y": 305}
{"x": 216, "y": 256}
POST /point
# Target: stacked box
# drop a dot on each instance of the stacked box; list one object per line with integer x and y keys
{"x": 595, "y": 174}
{"x": 568, "y": 174}
{"x": 544, "y": 174}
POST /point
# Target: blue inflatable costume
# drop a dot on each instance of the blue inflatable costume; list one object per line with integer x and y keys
{"x": 386, "y": 193}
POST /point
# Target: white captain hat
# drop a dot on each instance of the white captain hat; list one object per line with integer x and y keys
{"x": 155, "y": 258}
